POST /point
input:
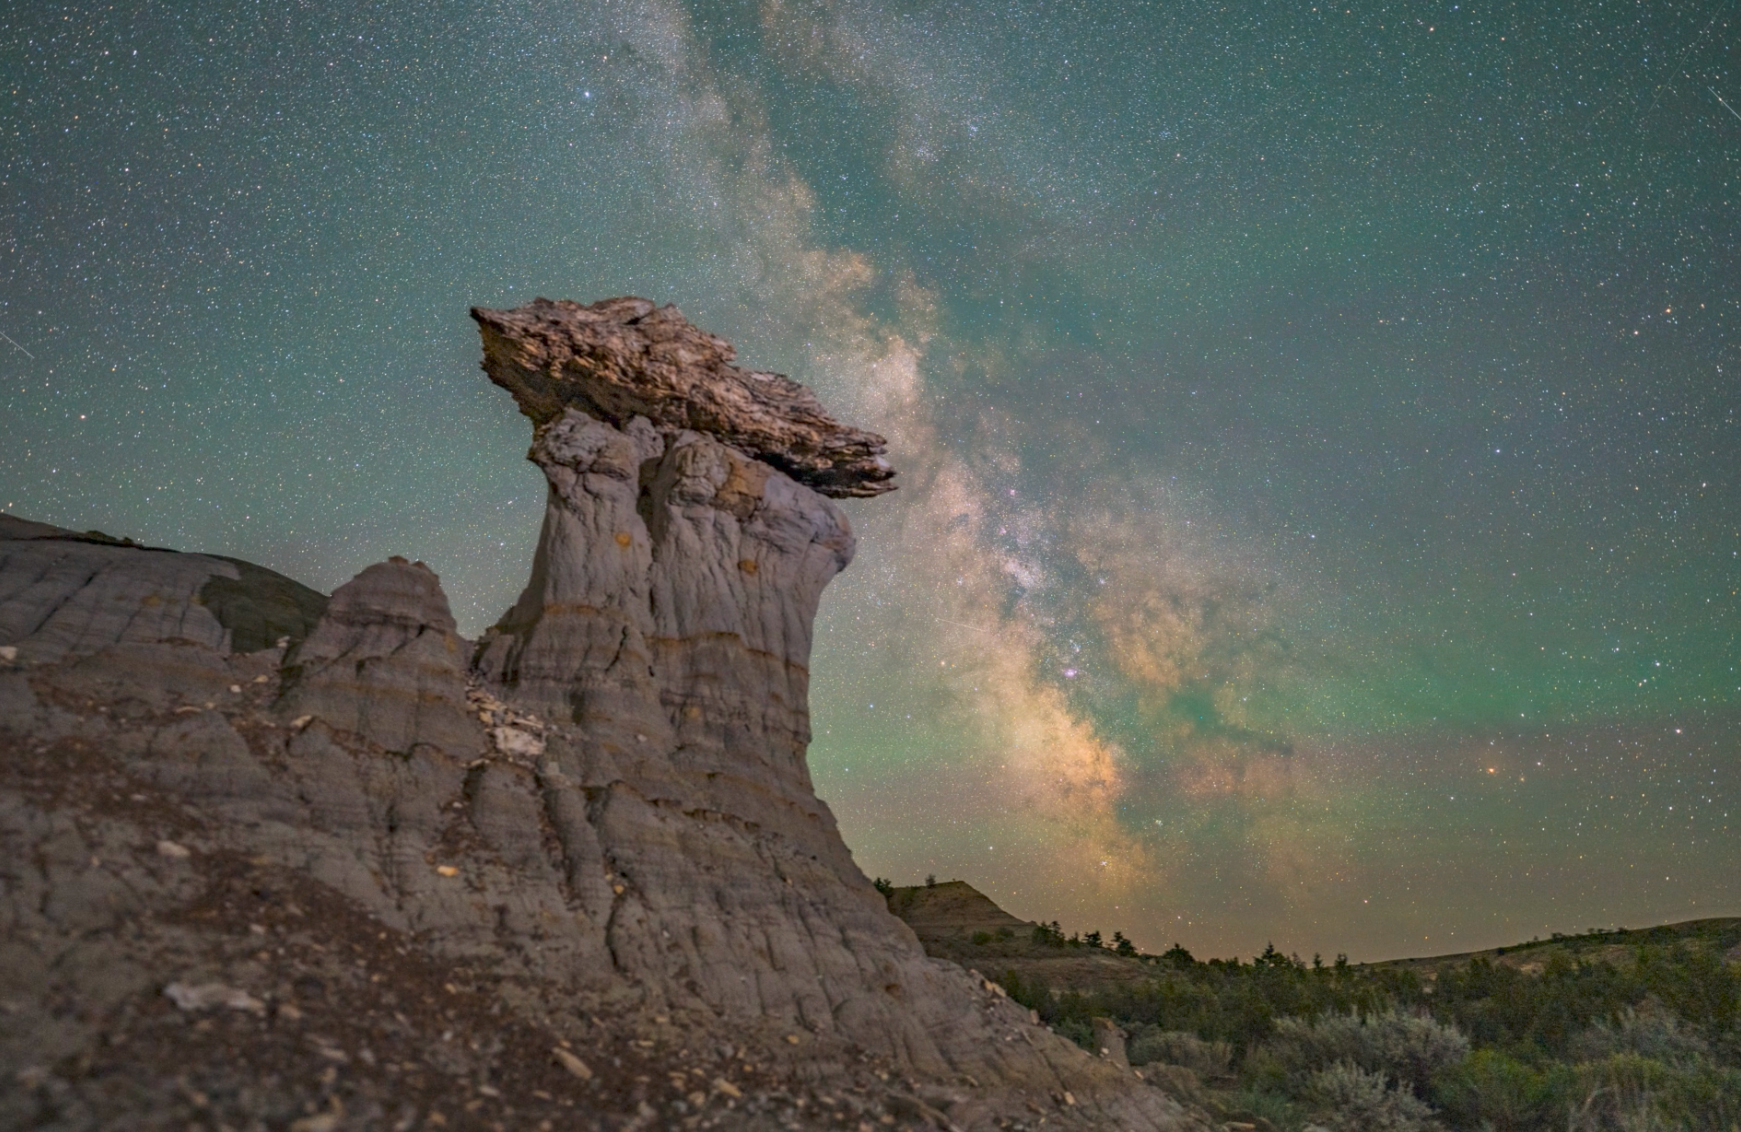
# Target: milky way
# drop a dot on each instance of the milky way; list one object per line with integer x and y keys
{"x": 1318, "y": 425}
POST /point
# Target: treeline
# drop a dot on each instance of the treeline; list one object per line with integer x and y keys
{"x": 1652, "y": 1042}
{"x": 1222, "y": 1000}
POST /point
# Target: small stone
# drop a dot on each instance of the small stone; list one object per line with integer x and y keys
{"x": 262, "y": 679}
{"x": 204, "y": 996}
{"x": 301, "y": 721}
{"x": 727, "y": 1088}
{"x": 571, "y": 1063}
{"x": 171, "y": 849}
{"x": 447, "y": 870}
{"x": 8, "y": 652}
{"x": 489, "y": 1090}
{"x": 792, "y": 1039}
{"x": 512, "y": 741}
{"x": 325, "y": 1122}
{"x": 235, "y": 689}
{"x": 289, "y": 1012}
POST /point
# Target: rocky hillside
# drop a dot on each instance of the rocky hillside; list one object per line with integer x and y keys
{"x": 270, "y": 859}
{"x": 955, "y": 921}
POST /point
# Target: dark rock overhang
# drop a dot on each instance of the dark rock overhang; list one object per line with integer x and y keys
{"x": 622, "y": 358}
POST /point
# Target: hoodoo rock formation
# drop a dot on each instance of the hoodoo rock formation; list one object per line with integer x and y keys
{"x": 269, "y": 859}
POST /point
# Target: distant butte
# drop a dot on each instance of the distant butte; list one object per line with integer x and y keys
{"x": 626, "y": 357}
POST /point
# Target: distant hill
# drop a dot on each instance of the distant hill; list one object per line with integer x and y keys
{"x": 951, "y": 910}
{"x": 954, "y": 920}
{"x": 1721, "y": 934}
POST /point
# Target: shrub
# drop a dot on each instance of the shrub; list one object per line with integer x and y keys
{"x": 1151, "y": 1044}
{"x": 1411, "y": 1048}
{"x": 1627, "y": 1092}
{"x": 1347, "y": 1098}
{"x": 1176, "y": 1081}
{"x": 1488, "y": 1089}
{"x": 1077, "y": 1030}
{"x": 1650, "y": 1032}
{"x": 884, "y": 886}
{"x": 1279, "y": 1110}
{"x": 1179, "y": 957}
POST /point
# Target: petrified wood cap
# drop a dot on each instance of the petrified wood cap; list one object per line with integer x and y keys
{"x": 626, "y": 357}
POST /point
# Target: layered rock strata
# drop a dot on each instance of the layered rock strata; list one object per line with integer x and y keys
{"x": 386, "y": 663}
{"x": 65, "y": 593}
{"x": 626, "y": 358}
{"x": 370, "y": 875}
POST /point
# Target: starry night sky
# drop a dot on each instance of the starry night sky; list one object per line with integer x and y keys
{"x": 1318, "y": 424}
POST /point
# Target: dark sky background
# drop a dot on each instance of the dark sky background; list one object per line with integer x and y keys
{"x": 1318, "y": 424}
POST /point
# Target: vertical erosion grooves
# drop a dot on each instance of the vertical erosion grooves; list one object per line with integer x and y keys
{"x": 667, "y": 624}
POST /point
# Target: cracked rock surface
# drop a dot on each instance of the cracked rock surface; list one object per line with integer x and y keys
{"x": 369, "y": 875}
{"x": 624, "y": 358}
